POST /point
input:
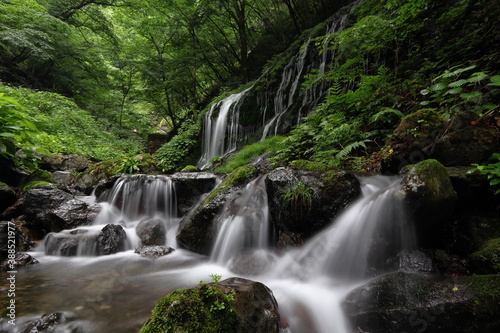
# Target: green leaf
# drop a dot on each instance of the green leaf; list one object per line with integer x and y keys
{"x": 438, "y": 86}
{"x": 495, "y": 181}
{"x": 454, "y": 91}
{"x": 458, "y": 83}
{"x": 471, "y": 95}
{"x": 495, "y": 81}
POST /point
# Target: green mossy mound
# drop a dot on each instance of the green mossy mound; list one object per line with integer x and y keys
{"x": 487, "y": 259}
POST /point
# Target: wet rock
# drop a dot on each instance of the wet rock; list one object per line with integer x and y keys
{"x": 232, "y": 305}
{"x": 38, "y": 204}
{"x": 197, "y": 230}
{"x": 154, "y": 251}
{"x": 412, "y": 141}
{"x": 407, "y": 302}
{"x": 487, "y": 259}
{"x": 467, "y": 145}
{"x": 151, "y": 232}
{"x": 414, "y": 261}
{"x": 430, "y": 199}
{"x": 473, "y": 189}
{"x": 57, "y": 322}
{"x": 21, "y": 239}
{"x": 306, "y": 201}
{"x": 72, "y": 214}
{"x": 103, "y": 188}
{"x": 61, "y": 244}
{"x": 64, "y": 163}
{"x": 190, "y": 186}
{"x": 7, "y": 196}
{"x": 63, "y": 177}
{"x": 21, "y": 259}
{"x": 112, "y": 239}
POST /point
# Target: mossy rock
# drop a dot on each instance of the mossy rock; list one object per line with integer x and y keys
{"x": 484, "y": 286}
{"x": 487, "y": 259}
{"x": 412, "y": 141}
{"x": 430, "y": 198}
{"x": 232, "y": 305}
{"x": 190, "y": 168}
{"x": 238, "y": 177}
{"x": 36, "y": 184}
{"x": 309, "y": 166}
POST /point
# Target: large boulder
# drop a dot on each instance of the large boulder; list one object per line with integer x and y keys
{"x": 430, "y": 198}
{"x": 304, "y": 202}
{"x": 408, "y": 302}
{"x": 197, "y": 230}
{"x": 487, "y": 259}
{"x": 73, "y": 213}
{"x": 459, "y": 141}
{"x": 112, "y": 239}
{"x": 232, "y": 305}
{"x": 57, "y": 322}
{"x": 151, "y": 232}
{"x": 190, "y": 186}
{"x": 154, "y": 251}
{"x": 38, "y": 204}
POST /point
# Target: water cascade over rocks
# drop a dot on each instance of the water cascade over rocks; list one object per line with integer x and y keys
{"x": 140, "y": 210}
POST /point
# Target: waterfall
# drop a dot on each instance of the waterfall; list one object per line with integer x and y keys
{"x": 244, "y": 225}
{"x": 219, "y": 138}
{"x": 131, "y": 200}
{"x": 361, "y": 238}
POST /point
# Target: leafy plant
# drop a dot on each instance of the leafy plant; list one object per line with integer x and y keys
{"x": 298, "y": 199}
{"x": 129, "y": 164}
{"x": 16, "y": 131}
{"x": 491, "y": 170}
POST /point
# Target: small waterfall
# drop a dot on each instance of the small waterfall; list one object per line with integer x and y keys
{"x": 285, "y": 94}
{"x": 244, "y": 224}
{"x": 361, "y": 238}
{"x": 132, "y": 199}
{"x": 219, "y": 137}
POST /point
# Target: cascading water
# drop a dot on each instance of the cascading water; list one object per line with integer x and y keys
{"x": 131, "y": 200}
{"x": 244, "y": 225}
{"x": 220, "y": 135}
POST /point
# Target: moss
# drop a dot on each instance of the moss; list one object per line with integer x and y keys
{"x": 309, "y": 166}
{"x": 487, "y": 259}
{"x": 435, "y": 177}
{"x": 239, "y": 176}
{"x": 487, "y": 286}
{"x": 35, "y": 184}
{"x": 190, "y": 168}
{"x": 203, "y": 308}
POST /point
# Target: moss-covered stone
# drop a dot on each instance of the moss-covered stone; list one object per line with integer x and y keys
{"x": 238, "y": 177}
{"x": 232, "y": 305}
{"x": 484, "y": 286}
{"x": 412, "y": 140}
{"x": 309, "y": 166}
{"x": 35, "y": 184}
{"x": 190, "y": 168}
{"x": 430, "y": 198}
{"x": 487, "y": 259}
{"x": 192, "y": 310}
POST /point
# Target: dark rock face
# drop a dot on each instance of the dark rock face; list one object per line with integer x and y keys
{"x": 487, "y": 259}
{"x": 112, "y": 239}
{"x": 151, "y": 232}
{"x": 306, "y": 201}
{"x": 64, "y": 163}
{"x": 407, "y": 302}
{"x": 103, "y": 188}
{"x": 430, "y": 198}
{"x": 72, "y": 214}
{"x": 7, "y": 197}
{"x": 154, "y": 251}
{"x": 63, "y": 178}
{"x": 189, "y": 187}
{"x": 40, "y": 202}
{"x": 460, "y": 141}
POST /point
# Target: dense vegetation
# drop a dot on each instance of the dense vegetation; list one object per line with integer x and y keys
{"x": 106, "y": 73}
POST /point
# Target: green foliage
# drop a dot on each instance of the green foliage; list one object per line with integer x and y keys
{"x": 204, "y": 308}
{"x": 455, "y": 89}
{"x": 64, "y": 128}
{"x": 16, "y": 131}
{"x": 298, "y": 199}
{"x": 249, "y": 152}
{"x": 491, "y": 170}
{"x": 172, "y": 155}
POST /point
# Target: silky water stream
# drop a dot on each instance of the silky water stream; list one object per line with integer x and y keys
{"x": 115, "y": 293}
